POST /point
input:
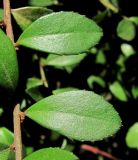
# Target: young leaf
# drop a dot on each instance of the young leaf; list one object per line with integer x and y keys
{"x": 61, "y": 33}
{"x": 51, "y": 154}
{"x": 134, "y": 91}
{"x": 26, "y": 15}
{"x": 4, "y": 155}
{"x": 118, "y": 91}
{"x": 134, "y": 19}
{"x": 64, "y": 60}
{"x": 8, "y": 63}
{"x": 43, "y": 3}
{"x": 81, "y": 115}
{"x": 127, "y": 49}
{"x": 61, "y": 90}
{"x": 132, "y": 136}
{"x": 100, "y": 57}
{"x": 126, "y": 30}
{"x": 6, "y": 136}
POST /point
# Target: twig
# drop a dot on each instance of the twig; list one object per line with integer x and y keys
{"x": 17, "y": 132}
{"x": 98, "y": 151}
{"x": 7, "y": 19}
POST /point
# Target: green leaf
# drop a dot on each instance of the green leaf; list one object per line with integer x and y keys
{"x": 127, "y": 49}
{"x": 1, "y": 14}
{"x": 64, "y": 60}
{"x": 118, "y": 91}
{"x": 26, "y": 15}
{"x": 93, "y": 117}
{"x": 4, "y": 155}
{"x": 100, "y": 57}
{"x": 6, "y": 136}
{"x": 126, "y": 30}
{"x": 8, "y": 63}
{"x": 51, "y": 154}
{"x": 55, "y": 33}
{"x": 1, "y": 111}
{"x": 32, "y": 89}
{"x": 61, "y": 90}
{"x": 132, "y": 136}
{"x": 95, "y": 79}
{"x": 135, "y": 91}
{"x": 134, "y": 19}
{"x": 43, "y": 3}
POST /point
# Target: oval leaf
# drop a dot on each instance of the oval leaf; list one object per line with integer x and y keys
{"x": 55, "y": 33}
{"x": 64, "y": 60}
{"x": 126, "y": 30}
{"x": 51, "y": 154}
{"x": 132, "y": 136}
{"x": 8, "y": 63}
{"x": 61, "y": 90}
{"x": 118, "y": 91}
{"x": 93, "y": 117}
{"x": 26, "y": 15}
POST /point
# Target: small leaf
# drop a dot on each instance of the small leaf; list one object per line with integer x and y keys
{"x": 135, "y": 91}
{"x": 8, "y": 63}
{"x": 95, "y": 79}
{"x": 1, "y": 14}
{"x": 55, "y": 33}
{"x": 61, "y": 90}
{"x": 126, "y": 30}
{"x": 100, "y": 57}
{"x": 6, "y": 136}
{"x": 127, "y": 49}
{"x": 32, "y": 89}
{"x": 4, "y": 155}
{"x": 43, "y": 3}
{"x": 64, "y": 60}
{"x": 132, "y": 136}
{"x": 118, "y": 91}
{"x": 1, "y": 111}
{"x": 93, "y": 117}
{"x": 51, "y": 154}
{"x": 134, "y": 19}
{"x": 26, "y": 15}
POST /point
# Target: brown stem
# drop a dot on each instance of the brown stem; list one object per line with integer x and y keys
{"x": 17, "y": 132}
{"x": 7, "y": 19}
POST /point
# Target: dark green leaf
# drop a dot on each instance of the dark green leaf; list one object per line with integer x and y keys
{"x": 93, "y": 117}
{"x": 118, "y": 91}
{"x": 126, "y": 30}
{"x": 132, "y": 136}
{"x": 26, "y": 15}
{"x": 55, "y": 33}
{"x": 61, "y": 90}
{"x": 8, "y": 63}
{"x": 64, "y": 60}
{"x": 43, "y": 3}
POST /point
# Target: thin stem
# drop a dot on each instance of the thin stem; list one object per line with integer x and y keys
{"x": 7, "y": 19}
{"x": 17, "y": 132}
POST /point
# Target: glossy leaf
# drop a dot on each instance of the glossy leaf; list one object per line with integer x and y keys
{"x": 32, "y": 89}
{"x": 95, "y": 79}
{"x": 43, "y": 3}
{"x": 55, "y": 33}
{"x": 6, "y": 136}
{"x": 126, "y": 30}
{"x": 132, "y": 136}
{"x": 1, "y": 14}
{"x": 93, "y": 117}
{"x": 51, "y": 154}
{"x": 8, "y": 63}
{"x": 118, "y": 91}
{"x": 4, "y": 155}
{"x": 26, "y": 15}
{"x": 127, "y": 49}
{"x": 63, "y": 61}
{"x": 61, "y": 90}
